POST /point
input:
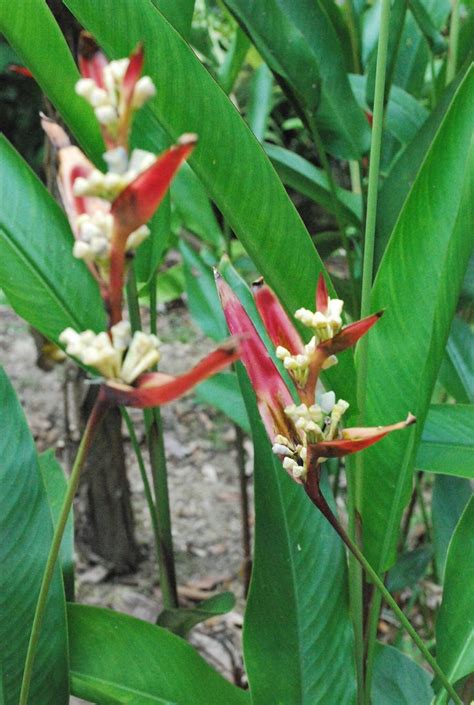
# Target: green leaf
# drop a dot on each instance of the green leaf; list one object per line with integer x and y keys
{"x": 223, "y": 392}
{"x": 284, "y": 33}
{"x": 203, "y": 301}
{"x": 230, "y": 67}
{"x": 398, "y": 680}
{"x": 150, "y": 254}
{"x": 260, "y": 101}
{"x": 44, "y": 283}
{"x": 413, "y": 55}
{"x": 55, "y": 484}
{"x": 228, "y": 160}
{"x": 119, "y": 659}
{"x": 26, "y": 530}
{"x": 454, "y": 625}
{"x": 450, "y": 496}
{"x": 297, "y": 632}
{"x": 194, "y": 208}
{"x": 406, "y": 347}
{"x": 399, "y": 181}
{"x": 170, "y": 284}
{"x": 447, "y": 444}
{"x": 179, "y": 13}
{"x": 457, "y": 369}
{"x": 299, "y": 174}
{"x": 409, "y": 569}
{"x": 434, "y": 38}
{"x": 34, "y": 34}
{"x": 404, "y": 114}
{"x": 181, "y": 620}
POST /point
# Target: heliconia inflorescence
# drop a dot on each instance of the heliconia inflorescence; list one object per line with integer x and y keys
{"x": 302, "y": 434}
{"x": 108, "y": 212}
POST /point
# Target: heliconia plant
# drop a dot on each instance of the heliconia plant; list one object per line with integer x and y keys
{"x": 352, "y": 399}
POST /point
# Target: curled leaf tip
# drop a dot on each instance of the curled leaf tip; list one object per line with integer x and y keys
{"x": 410, "y": 419}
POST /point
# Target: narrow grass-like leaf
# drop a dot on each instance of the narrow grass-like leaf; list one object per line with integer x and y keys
{"x": 297, "y": 630}
{"x": 119, "y": 659}
{"x": 44, "y": 283}
{"x": 405, "y": 349}
{"x": 26, "y": 530}
{"x": 447, "y": 443}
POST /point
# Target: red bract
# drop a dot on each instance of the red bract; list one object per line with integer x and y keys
{"x": 92, "y": 60}
{"x": 301, "y": 435}
{"x": 271, "y": 391}
{"x": 135, "y": 206}
{"x": 155, "y": 388}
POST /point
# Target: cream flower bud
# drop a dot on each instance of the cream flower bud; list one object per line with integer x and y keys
{"x": 116, "y": 160}
{"x": 98, "y": 97}
{"x": 142, "y": 354}
{"x": 81, "y": 250}
{"x": 144, "y": 90}
{"x": 280, "y": 449}
{"x": 281, "y": 440}
{"x": 326, "y": 401}
{"x": 330, "y": 362}
{"x": 282, "y": 352}
{"x": 106, "y": 115}
{"x": 121, "y": 335}
{"x": 84, "y": 87}
{"x": 118, "y": 68}
{"x": 136, "y": 238}
{"x": 80, "y": 186}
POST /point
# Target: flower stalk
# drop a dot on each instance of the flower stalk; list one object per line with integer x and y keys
{"x": 98, "y": 412}
{"x": 313, "y": 490}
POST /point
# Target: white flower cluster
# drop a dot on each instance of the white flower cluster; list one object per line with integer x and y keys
{"x": 122, "y": 171}
{"x": 324, "y": 324}
{"x": 316, "y": 423}
{"x": 119, "y": 356}
{"x": 108, "y": 102}
{"x": 95, "y": 235}
{"x": 298, "y": 365}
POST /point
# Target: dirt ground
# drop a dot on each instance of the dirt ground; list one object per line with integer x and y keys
{"x": 203, "y": 475}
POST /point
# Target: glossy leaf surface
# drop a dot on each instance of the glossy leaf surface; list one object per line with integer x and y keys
{"x": 297, "y": 630}
{"x": 406, "y": 347}
{"x": 457, "y": 370}
{"x": 223, "y": 392}
{"x": 26, "y": 530}
{"x": 119, "y": 659}
{"x": 44, "y": 283}
{"x": 450, "y": 496}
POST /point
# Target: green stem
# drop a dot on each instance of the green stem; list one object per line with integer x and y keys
{"x": 314, "y": 493}
{"x": 371, "y": 640}
{"x": 93, "y": 422}
{"x": 422, "y": 503}
{"x": 454, "y": 27}
{"x": 367, "y": 277}
{"x": 336, "y": 206}
{"x": 156, "y": 449}
{"x": 143, "y": 474}
{"x": 354, "y": 34}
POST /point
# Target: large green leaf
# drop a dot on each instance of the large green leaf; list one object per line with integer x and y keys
{"x": 44, "y": 283}
{"x": 447, "y": 443}
{"x": 55, "y": 484}
{"x": 398, "y": 680}
{"x": 455, "y": 625}
{"x": 34, "y": 34}
{"x": 117, "y": 659}
{"x": 229, "y": 160}
{"x": 300, "y": 44}
{"x": 223, "y": 392}
{"x": 406, "y": 347}
{"x": 179, "y": 13}
{"x": 297, "y": 630}
{"x": 450, "y": 496}
{"x": 26, "y": 530}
